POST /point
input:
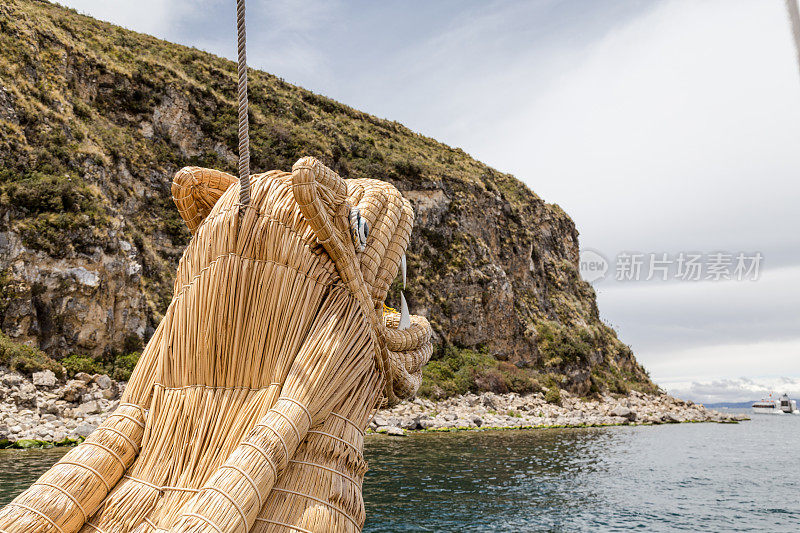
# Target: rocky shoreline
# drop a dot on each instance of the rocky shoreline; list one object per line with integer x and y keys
{"x": 44, "y": 410}
{"x": 512, "y": 411}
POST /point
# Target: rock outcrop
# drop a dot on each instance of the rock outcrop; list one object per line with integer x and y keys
{"x": 95, "y": 120}
{"x": 83, "y": 303}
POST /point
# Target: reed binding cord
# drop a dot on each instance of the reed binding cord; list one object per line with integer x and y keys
{"x": 244, "y": 129}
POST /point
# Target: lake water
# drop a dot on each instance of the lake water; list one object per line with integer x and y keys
{"x": 685, "y": 477}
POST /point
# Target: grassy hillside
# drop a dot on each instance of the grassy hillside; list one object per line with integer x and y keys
{"x": 94, "y": 121}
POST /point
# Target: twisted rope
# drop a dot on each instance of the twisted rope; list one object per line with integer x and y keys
{"x": 794, "y": 21}
{"x": 244, "y": 130}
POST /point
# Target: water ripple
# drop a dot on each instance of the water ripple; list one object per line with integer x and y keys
{"x": 667, "y": 478}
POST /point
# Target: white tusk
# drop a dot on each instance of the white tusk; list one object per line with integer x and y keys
{"x": 403, "y": 269}
{"x": 405, "y": 317}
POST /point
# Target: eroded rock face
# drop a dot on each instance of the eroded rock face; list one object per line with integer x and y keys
{"x": 83, "y": 304}
{"x": 489, "y": 265}
{"x": 173, "y": 119}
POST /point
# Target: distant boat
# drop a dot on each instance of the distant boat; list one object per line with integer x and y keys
{"x": 770, "y": 406}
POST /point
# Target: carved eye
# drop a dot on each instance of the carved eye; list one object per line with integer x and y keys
{"x": 363, "y": 229}
{"x": 359, "y": 228}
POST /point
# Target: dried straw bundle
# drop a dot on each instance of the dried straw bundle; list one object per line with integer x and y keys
{"x": 265, "y": 369}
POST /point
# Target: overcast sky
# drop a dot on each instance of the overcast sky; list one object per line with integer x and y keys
{"x": 659, "y": 126}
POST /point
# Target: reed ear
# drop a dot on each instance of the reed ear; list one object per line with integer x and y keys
{"x": 195, "y": 190}
{"x": 321, "y": 195}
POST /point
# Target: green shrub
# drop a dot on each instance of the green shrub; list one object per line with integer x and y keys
{"x": 132, "y": 343}
{"x": 619, "y": 386}
{"x": 490, "y": 379}
{"x": 81, "y": 110}
{"x": 560, "y": 345}
{"x": 52, "y": 206}
{"x": 553, "y": 395}
{"x": 462, "y": 370}
{"x": 454, "y": 373}
{"x": 123, "y": 366}
{"x": 119, "y": 368}
{"x": 618, "y": 381}
{"x": 519, "y": 380}
{"x": 39, "y": 193}
{"x": 25, "y": 359}
{"x": 82, "y": 363}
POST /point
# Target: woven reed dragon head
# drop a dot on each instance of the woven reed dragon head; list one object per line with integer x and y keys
{"x": 265, "y": 369}
{"x": 364, "y": 226}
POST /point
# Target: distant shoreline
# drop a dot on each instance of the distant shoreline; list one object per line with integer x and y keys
{"x": 731, "y": 405}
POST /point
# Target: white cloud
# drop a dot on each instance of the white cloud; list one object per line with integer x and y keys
{"x": 736, "y": 390}
{"x": 658, "y": 318}
{"x": 673, "y": 130}
{"x": 726, "y": 361}
{"x": 282, "y": 37}
{"x": 155, "y": 17}
{"x": 677, "y": 130}
{"x": 685, "y": 332}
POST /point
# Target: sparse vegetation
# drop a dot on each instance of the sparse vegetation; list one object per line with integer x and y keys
{"x": 118, "y": 368}
{"x": 560, "y": 345}
{"x": 459, "y": 371}
{"x": 553, "y": 395}
{"x": 25, "y": 359}
{"x": 82, "y": 363}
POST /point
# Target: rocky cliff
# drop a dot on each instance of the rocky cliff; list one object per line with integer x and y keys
{"x": 94, "y": 121}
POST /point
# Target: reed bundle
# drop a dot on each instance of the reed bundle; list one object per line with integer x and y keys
{"x": 247, "y": 409}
